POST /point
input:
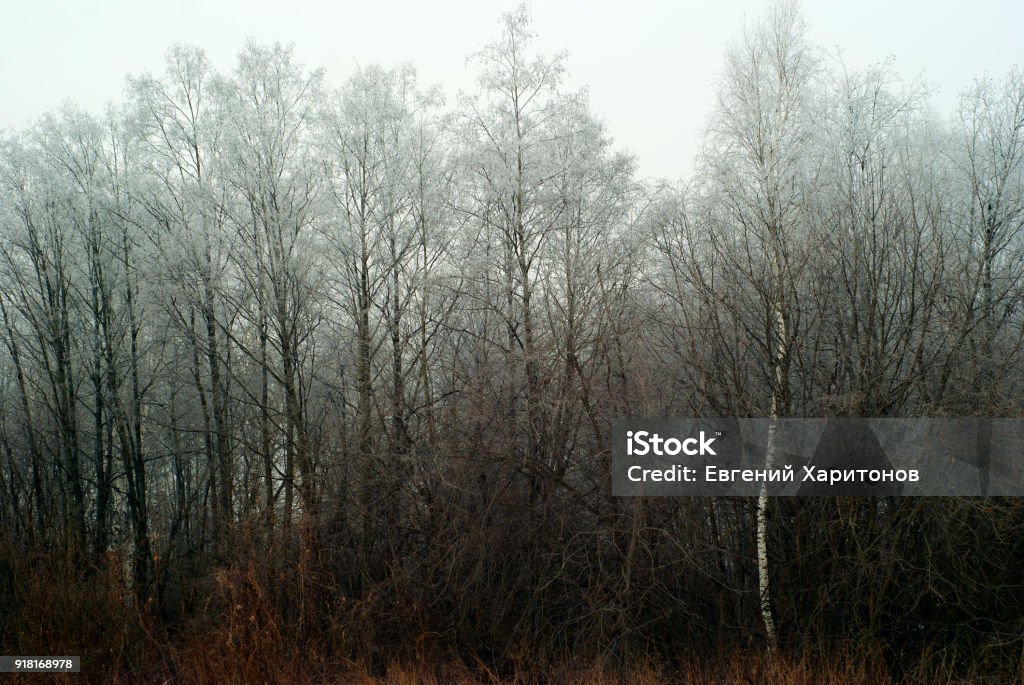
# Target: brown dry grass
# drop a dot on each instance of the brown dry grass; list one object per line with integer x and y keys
{"x": 240, "y": 636}
{"x": 195, "y": 665}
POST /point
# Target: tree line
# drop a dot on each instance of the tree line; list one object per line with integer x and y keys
{"x": 353, "y": 353}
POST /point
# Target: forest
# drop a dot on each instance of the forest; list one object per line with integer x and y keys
{"x": 312, "y": 381}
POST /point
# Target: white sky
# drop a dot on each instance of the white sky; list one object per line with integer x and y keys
{"x": 649, "y": 63}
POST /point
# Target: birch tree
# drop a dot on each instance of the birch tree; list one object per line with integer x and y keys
{"x": 762, "y": 138}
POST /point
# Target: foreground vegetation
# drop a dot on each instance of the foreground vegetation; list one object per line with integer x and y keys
{"x": 245, "y": 639}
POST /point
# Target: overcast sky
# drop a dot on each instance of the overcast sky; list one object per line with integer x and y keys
{"x": 649, "y": 64}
